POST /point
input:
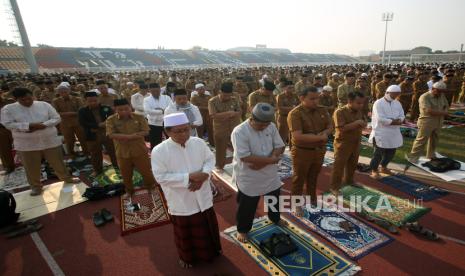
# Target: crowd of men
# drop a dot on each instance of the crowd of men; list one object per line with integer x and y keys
{"x": 254, "y": 111}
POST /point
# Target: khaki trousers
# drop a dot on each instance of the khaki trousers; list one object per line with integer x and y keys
{"x": 283, "y": 128}
{"x": 345, "y": 163}
{"x": 69, "y": 132}
{"x": 306, "y": 165}
{"x": 427, "y": 136}
{"x": 32, "y": 161}
{"x": 142, "y": 165}
{"x": 222, "y": 140}
{"x": 96, "y": 155}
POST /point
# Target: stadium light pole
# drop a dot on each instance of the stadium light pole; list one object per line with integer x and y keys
{"x": 387, "y": 16}
{"x": 24, "y": 38}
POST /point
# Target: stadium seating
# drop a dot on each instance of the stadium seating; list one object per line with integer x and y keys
{"x": 12, "y": 58}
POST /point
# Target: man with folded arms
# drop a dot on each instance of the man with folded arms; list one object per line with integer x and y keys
{"x": 33, "y": 125}
{"x": 182, "y": 165}
{"x": 257, "y": 150}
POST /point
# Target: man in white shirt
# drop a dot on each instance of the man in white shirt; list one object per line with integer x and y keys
{"x": 387, "y": 116}
{"x": 181, "y": 104}
{"x": 33, "y": 125}
{"x": 200, "y": 87}
{"x": 257, "y": 150}
{"x": 182, "y": 166}
{"x": 137, "y": 100}
{"x": 154, "y": 107}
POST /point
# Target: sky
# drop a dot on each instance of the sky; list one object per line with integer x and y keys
{"x": 306, "y": 26}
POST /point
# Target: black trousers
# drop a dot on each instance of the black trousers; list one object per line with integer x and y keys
{"x": 381, "y": 155}
{"x": 155, "y": 135}
{"x": 247, "y": 207}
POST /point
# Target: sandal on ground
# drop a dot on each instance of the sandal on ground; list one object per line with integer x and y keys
{"x": 107, "y": 216}
{"x": 98, "y": 219}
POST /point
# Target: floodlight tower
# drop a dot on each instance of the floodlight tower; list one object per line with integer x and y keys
{"x": 24, "y": 38}
{"x": 387, "y": 16}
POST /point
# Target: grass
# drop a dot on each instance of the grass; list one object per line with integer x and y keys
{"x": 451, "y": 144}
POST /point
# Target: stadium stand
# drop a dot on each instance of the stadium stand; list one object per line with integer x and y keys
{"x": 12, "y": 58}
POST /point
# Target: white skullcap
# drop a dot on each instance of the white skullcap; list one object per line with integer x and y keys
{"x": 265, "y": 77}
{"x": 129, "y": 83}
{"x": 199, "y": 85}
{"x": 64, "y": 85}
{"x": 327, "y": 88}
{"x": 440, "y": 85}
{"x": 334, "y": 74}
{"x": 175, "y": 119}
{"x": 393, "y": 89}
{"x": 364, "y": 75}
{"x": 72, "y": 78}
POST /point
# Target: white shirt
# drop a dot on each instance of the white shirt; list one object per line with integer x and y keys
{"x": 17, "y": 118}
{"x": 198, "y": 121}
{"x": 110, "y": 91}
{"x": 430, "y": 84}
{"x": 137, "y": 102}
{"x": 384, "y": 112}
{"x": 195, "y": 92}
{"x": 154, "y": 108}
{"x": 246, "y": 142}
{"x": 172, "y": 164}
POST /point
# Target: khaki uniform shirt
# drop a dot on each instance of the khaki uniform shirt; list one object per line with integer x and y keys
{"x": 429, "y": 101}
{"x": 132, "y": 148}
{"x": 72, "y": 104}
{"x": 259, "y": 97}
{"x": 107, "y": 99}
{"x": 283, "y": 100}
{"x": 300, "y": 86}
{"x": 215, "y": 105}
{"x": 343, "y": 116}
{"x": 201, "y": 101}
{"x": 343, "y": 91}
{"x": 309, "y": 121}
{"x": 380, "y": 89}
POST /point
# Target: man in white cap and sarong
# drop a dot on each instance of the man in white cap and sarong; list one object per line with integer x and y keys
{"x": 182, "y": 166}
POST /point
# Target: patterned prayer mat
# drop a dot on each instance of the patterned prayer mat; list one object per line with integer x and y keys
{"x": 413, "y": 187}
{"x": 312, "y": 258}
{"x": 352, "y": 236}
{"x": 153, "y": 211}
{"x": 111, "y": 175}
{"x": 402, "y": 210}
{"x": 219, "y": 189}
{"x": 14, "y": 180}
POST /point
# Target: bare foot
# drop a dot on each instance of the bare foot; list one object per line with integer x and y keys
{"x": 386, "y": 171}
{"x": 298, "y": 212}
{"x": 242, "y": 237}
{"x": 183, "y": 264}
{"x": 375, "y": 175}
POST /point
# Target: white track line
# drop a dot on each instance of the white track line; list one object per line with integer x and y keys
{"x": 452, "y": 239}
{"x": 56, "y": 270}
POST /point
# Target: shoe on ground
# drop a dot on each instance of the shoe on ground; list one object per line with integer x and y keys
{"x": 73, "y": 180}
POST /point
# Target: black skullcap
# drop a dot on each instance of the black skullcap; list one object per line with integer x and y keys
{"x": 143, "y": 86}
{"x": 288, "y": 82}
{"x": 268, "y": 85}
{"x": 350, "y": 74}
{"x": 154, "y": 85}
{"x": 180, "y": 92}
{"x": 227, "y": 87}
{"x": 119, "y": 102}
{"x": 170, "y": 84}
{"x": 100, "y": 82}
{"x": 19, "y": 92}
{"x": 90, "y": 94}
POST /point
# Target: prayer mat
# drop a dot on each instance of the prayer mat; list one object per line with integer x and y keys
{"x": 112, "y": 175}
{"x": 55, "y": 197}
{"x": 219, "y": 189}
{"x": 401, "y": 211}
{"x": 153, "y": 211}
{"x": 312, "y": 257}
{"x": 14, "y": 180}
{"x": 285, "y": 167}
{"x": 413, "y": 187}
{"x": 352, "y": 236}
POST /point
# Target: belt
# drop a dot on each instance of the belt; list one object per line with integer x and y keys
{"x": 305, "y": 148}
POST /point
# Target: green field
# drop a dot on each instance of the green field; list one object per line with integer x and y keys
{"x": 451, "y": 144}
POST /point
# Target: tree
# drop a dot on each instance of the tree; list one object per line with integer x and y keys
{"x": 4, "y": 43}
{"x": 40, "y": 45}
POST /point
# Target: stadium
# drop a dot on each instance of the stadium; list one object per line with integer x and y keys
{"x": 304, "y": 155}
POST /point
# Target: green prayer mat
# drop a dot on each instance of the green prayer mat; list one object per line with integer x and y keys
{"x": 111, "y": 175}
{"x": 402, "y": 211}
